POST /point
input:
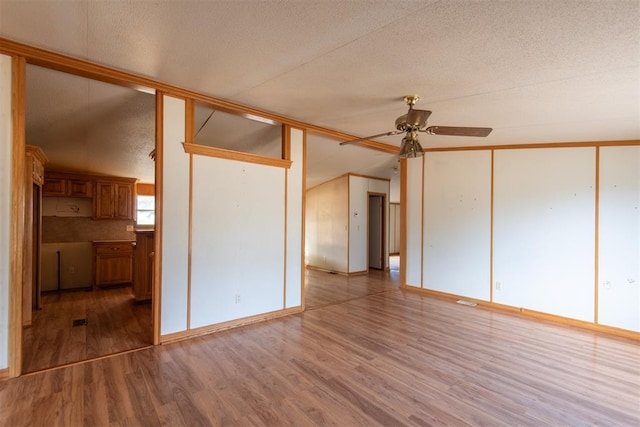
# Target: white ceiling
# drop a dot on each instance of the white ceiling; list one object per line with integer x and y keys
{"x": 534, "y": 71}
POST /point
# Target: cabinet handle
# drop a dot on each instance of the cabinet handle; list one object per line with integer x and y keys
{"x": 115, "y": 249}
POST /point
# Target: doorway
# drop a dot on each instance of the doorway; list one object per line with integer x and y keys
{"x": 376, "y": 234}
{"x": 87, "y": 131}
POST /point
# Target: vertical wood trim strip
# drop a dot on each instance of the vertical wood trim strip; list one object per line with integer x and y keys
{"x": 189, "y": 137}
{"x": 597, "y": 237}
{"x": 157, "y": 264}
{"x": 304, "y": 215}
{"x": 403, "y": 223}
{"x": 18, "y": 95}
{"x": 189, "y": 241}
{"x": 422, "y": 186}
{"x": 286, "y": 154}
{"x": 491, "y": 231}
{"x": 348, "y": 223}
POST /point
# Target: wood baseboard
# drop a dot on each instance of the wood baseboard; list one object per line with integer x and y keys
{"x": 4, "y": 374}
{"x": 610, "y": 330}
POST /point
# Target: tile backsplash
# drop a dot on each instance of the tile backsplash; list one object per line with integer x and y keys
{"x": 57, "y": 229}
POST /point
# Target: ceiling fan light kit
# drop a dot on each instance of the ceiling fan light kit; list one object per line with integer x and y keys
{"x": 415, "y": 121}
{"x": 410, "y": 147}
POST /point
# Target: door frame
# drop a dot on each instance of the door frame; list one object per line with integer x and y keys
{"x": 383, "y": 234}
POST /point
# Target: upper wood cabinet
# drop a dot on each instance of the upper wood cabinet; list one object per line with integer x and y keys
{"x": 114, "y": 199}
{"x": 62, "y": 184}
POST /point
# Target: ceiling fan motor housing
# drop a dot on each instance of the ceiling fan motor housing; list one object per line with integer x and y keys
{"x": 413, "y": 120}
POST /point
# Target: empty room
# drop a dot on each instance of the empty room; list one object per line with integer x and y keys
{"x": 320, "y": 212}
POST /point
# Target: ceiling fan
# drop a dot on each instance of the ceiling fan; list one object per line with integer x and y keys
{"x": 415, "y": 121}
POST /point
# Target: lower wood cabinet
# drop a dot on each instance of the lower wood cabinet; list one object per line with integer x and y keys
{"x": 112, "y": 262}
{"x": 143, "y": 264}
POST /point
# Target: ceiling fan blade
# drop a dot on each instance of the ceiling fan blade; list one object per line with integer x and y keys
{"x": 393, "y": 132}
{"x": 457, "y": 131}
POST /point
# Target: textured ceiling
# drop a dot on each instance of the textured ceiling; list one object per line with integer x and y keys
{"x": 535, "y": 71}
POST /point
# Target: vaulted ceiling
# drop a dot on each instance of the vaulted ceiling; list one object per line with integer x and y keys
{"x": 534, "y": 71}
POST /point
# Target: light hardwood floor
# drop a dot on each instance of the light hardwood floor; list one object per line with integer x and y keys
{"x": 390, "y": 358}
{"x": 116, "y": 323}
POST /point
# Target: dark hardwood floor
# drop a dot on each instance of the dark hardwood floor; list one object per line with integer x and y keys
{"x": 390, "y": 358}
{"x": 115, "y": 323}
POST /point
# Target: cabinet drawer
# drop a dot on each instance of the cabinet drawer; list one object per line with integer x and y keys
{"x": 114, "y": 249}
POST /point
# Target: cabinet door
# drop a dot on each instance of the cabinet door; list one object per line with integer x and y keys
{"x": 114, "y": 269}
{"x": 104, "y": 200}
{"x": 54, "y": 187}
{"x": 80, "y": 188}
{"x": 123, "y": 208}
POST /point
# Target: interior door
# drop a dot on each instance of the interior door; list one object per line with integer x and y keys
{"x": 376, "y": 232}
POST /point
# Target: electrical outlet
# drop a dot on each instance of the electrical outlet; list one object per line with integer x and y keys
{"x": 237, "y": 298}
{"x": 498, "y": 286}
{"x": 129, "y": 227}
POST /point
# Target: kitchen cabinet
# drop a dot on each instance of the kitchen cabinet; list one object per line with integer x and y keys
{"x": 112, "y": 262}
{"x": 144, "y": 255}
{"x": 61, "y": 184}
{"x": 31, "y": 275}
{"x": 114, "y": 199}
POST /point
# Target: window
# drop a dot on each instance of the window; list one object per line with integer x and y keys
{"x": 146, "y": 210}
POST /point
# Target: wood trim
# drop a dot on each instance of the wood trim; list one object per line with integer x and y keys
{"x": 385, "y": 222}
{"x": 95, "y": 71}
{"x": 623, "y": 333}
{"x": 286, "y": 155}
{"x": 597, "y": 237}
{"x": 4, "y": 374}
{"x": 189, "y": 241}
{"x": 144, "y": 189}
{"x": 218, "y": 327}
{"x": 349, "y": 223}
{"x": 540, "y": 145}
{"x": 18, "y": 96}
{"x": 37, "y": 153}
{"x": 157, "y": 265}
{"x": 403, "y": 223}
{"x": 424, "y": 164}
{"x": 221, "y": 153}
{"x": 491, "y": 229}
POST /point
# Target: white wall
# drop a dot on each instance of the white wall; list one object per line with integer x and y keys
{"x": 237, "y": 240}
{"x": 241, "y": 225}
{"x": 544, "y": 230}
{"x": 295, "y": 220}
{"x": 175, "y": 219}
{"x": 6, "y": 142}
{"x": 414, "y": 221}
{"x": 619, "y": 238}
{"x": 358, "y": 209}
{"x": 457, "y": 223}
